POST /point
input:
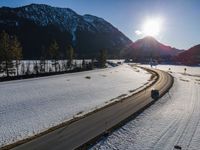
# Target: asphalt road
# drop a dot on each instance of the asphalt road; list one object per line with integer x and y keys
{"x": 81, "y": 131}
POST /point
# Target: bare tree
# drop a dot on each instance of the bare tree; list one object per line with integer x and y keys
{"x": 16, "y": 51}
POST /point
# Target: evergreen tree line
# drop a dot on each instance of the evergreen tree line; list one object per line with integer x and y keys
{"x": 11, "y": 56}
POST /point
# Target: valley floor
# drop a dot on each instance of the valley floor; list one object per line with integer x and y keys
{"x": 28, "y": 107}
{"x": 172, "y": 120}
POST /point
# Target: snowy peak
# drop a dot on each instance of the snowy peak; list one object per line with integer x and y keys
{"x": 92, "y": 19}
{"x": 146, "y": 42}
{"x": 46, "y": 23}
{"x": 149, "y": 48}
{"x": 64, "y": 18}
{"x": 38, "y": 8}
{"x": 151, "y": 44}
{"x": 148, "y": 38}
{"x": 98, "y": 23}
{"x": 45, "y": 15}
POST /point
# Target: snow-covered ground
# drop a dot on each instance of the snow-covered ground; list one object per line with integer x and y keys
{"x": 179, "y": 69}
{"x": 172, "y": 120}
{"x": 30, "y": 106}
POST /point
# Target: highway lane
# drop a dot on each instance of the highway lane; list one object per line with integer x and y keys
{"x": 81, "y": 131}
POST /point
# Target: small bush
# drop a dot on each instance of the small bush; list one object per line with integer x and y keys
{"x": 88, "y": 77}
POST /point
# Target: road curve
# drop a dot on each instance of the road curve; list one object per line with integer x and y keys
{"x": 77, "y": 133}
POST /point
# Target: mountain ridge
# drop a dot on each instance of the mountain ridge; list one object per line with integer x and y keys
{"x": 149, "y": 48}
{"x": 87, "y": 33}
{"x": 190, "y": 56}
{"x": 37, "y": 25}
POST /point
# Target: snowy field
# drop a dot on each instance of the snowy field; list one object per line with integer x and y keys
{"x": 173, "y": 120}
{"x": 179, "y": 69}
{"x": 30, "y": 106}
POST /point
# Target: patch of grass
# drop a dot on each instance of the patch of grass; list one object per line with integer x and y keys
{"x": 88, "y": 77}
{"x": 111, "y": 100}
{"x": 103, "y": 75}
{"x": 187, "y": 74}
{"x": 197, "y": 79}
{"x": 184, "y": 80}
{"x": 80, "y": 112}
{"x": 130, "y": 91}
{"x": 177, "y": 147}
{"x": 121, "y": 96}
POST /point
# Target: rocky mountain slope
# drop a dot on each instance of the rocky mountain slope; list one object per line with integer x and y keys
{"x": 190, "y": 56}
{"x": 37, "y": 25}
{"x": 148, "y": 47}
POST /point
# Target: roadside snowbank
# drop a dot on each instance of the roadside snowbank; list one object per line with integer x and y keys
{"x": 30, "y": 106}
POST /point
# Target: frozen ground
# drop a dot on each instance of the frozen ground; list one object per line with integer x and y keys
{"x": 179, "y": 69}
{"x": 30, "y": 106}
{"x": 173, "y": 120}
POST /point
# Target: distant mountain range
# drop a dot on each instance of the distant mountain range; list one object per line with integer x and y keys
{"x": 37, "y": 25}
{"x": 148, "y": 47}
{"x": 190, "y": 57}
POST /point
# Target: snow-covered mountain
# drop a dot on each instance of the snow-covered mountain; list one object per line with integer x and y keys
{"x": 87, "y": 33}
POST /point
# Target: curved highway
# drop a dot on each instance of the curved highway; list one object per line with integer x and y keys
{"x": 76, "y": 134}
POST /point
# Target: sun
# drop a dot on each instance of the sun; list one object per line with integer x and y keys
{"x": 152, "y": 27}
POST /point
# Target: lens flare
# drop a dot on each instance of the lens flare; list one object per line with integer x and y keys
{"x": 152, "y": 27}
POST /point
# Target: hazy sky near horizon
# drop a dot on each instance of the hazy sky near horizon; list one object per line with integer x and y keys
{"x": 181, "y": 18}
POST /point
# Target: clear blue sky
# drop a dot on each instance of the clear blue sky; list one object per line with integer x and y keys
{"x": 181, "y": 26}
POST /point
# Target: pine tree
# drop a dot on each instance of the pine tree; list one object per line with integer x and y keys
{"x": 70, "y": 54}
{"x": 102, "y": 58}
{"x": 5, "y": 53}
{"x": 16, "y": 51}
{"x": 53, "y": 53}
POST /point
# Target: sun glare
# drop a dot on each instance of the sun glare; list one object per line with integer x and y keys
{"x": 152, "y": 27}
